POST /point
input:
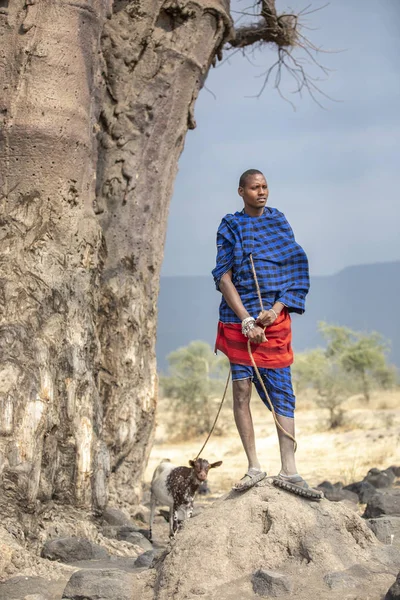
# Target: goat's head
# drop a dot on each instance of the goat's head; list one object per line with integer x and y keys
{"x": 201, "y": 467}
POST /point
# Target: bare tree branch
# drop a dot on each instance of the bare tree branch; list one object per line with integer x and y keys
{"x": 284, "y": 31}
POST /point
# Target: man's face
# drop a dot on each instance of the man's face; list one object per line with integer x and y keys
{"x": 254, "y": 192}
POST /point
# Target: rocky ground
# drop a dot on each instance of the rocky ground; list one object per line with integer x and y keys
{"x": 261, "y": 543}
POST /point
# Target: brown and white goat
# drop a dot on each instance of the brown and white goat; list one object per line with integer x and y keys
{"x": 176, "y": 487}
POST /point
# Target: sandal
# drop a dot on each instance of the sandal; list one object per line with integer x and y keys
{"x": 298, "y": 486}
{"x": 248, "y": 480}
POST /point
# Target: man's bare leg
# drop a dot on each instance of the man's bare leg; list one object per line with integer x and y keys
{"x": 286, "y": 446}
{"x": 289, "y": 478}
{"x": 244, "y": 421}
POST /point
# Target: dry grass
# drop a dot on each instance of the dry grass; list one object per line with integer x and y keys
{"x": 369, "y": 437}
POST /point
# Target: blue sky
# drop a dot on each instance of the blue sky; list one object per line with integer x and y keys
{"x": 335, "y": 173}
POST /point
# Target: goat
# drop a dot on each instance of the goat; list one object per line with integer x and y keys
{"x": 176, "y": 487}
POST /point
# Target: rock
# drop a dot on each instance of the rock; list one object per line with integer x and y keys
{"x": 380, "y": 479}
{"x": 31, "y": 588}
{"x": 394, "y": 591}
{"x": 95, "y": 585}
{"x": 396, "y": 470}
{"x": 127, "y": 533}
{"x": 336, "y": 492}
{"x": 145, "y": 559}
{"x": 386, "y": 529}
{"x": 364, "y": 490}
{"x": 339, "y": 580}
{"x": 115, "y": 516}
{"x": 383, "y": 504}
{"x": 71, "y": 549}
{"x": 271, "y": 583}
{"x": 325, "y": 485}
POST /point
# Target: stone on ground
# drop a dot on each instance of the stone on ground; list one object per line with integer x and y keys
{"x": 380, "y": 479}
{"x": 71, "y": 549}
{"x": 127, "y": 533}
{"x": 95, "y": 585}
{"x": 384, "y": 504}
{"x": 271, "y": 583}
{"x": 364, "y": 490}
{"x": 116, "y": 516}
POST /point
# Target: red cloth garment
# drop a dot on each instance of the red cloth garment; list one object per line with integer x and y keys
{"x": 276, "y": 353}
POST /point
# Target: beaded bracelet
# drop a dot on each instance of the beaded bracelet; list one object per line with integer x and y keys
{"x": 247, "y": 325}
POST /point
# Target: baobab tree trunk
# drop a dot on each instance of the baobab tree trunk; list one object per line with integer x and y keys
{"x": 77, "y": 364}
{"x": 51, "y": 253}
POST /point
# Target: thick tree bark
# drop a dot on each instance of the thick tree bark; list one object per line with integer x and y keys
{"x": 157, "y": 56}
{"x": 50, "y": 243}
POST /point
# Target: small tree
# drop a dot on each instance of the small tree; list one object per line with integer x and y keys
{"x": 324, "y": 374}
{"x": 362, "y": 356}
{"x": 196, "y": 375}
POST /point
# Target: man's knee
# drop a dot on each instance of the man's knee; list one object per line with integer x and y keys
{"x": 241, "y": 392}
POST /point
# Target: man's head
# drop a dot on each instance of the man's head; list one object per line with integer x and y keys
{"x": 253, "y": 189}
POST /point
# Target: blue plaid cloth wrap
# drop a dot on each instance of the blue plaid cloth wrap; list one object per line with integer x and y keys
{"x": 280, "y": 262}
{"x": 278, "y": 383}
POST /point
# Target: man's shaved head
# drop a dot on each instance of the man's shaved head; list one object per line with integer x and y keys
{"x": 246, "y": 174}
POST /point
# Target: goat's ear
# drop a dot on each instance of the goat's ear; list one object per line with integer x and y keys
{"x": 216, "y": 464}
{"x": 191, "y": 463}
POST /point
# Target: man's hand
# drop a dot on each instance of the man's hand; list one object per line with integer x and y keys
{"x": 256, "y": 335}
{"x": 266, "y": 318}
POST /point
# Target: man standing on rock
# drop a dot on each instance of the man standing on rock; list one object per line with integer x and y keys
{"x": 262, "y": 273}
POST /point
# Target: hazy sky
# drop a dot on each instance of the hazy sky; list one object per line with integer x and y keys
{"x": 335, "y": 173}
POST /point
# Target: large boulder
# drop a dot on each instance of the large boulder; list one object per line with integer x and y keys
{"x": 270, "y": 529}
{"x": 72, "y": 549}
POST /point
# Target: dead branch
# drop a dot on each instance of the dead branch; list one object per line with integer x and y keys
{"x": 284, "y": 31}
{"x": 269, "y": 28}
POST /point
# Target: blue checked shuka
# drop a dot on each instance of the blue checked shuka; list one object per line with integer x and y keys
{"x": 280, "y": 262}
{"x": 282, "y": 271}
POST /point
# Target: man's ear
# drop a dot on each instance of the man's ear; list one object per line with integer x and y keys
{"x": 240, "y": 191}
{"x": 216, "y": 464}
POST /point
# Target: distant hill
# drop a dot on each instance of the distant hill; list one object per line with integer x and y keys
{"x": 364, "y": 298}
